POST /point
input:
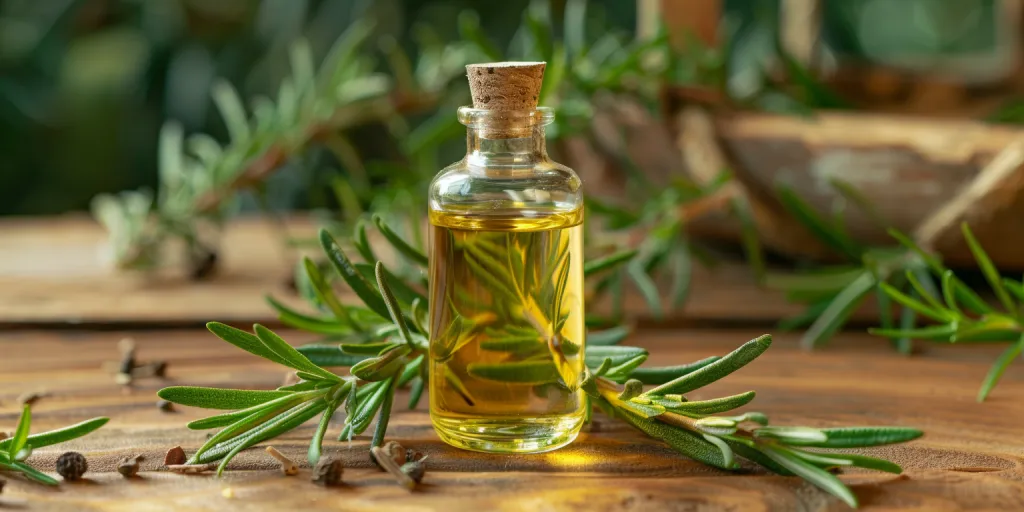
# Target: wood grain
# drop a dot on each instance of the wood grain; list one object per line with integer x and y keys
{"x": 972, "y": 456}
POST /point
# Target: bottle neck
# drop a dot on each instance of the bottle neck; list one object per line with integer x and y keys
{"x": 519, "y": 147}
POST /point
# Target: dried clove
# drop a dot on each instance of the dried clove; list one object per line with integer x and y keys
{"x": 124, "y": 369}
{"x": 192, "y": 469}
{"x": 165, "y": 405}
{"x": 151, "y": 369}
{"x": 393, "y": 451}
{"x": 407, "y": 475}
{"x": 175, "y": 456}
{"x": 413, "y": 455}
{"x": 328, "y": 471}
{"x": 129, "y": 466}
{"x": 72, "y": 465}
{"x": 288, "y": 467}
{"x": 202, "y": 263}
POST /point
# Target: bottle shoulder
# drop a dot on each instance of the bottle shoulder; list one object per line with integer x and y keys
{"x": 543, "y": 186}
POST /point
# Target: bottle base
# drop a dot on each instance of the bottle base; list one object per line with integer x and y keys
{"x": 509, "y": 435}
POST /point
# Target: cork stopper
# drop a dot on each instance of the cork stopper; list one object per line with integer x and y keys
{"x": 505, "y": 85}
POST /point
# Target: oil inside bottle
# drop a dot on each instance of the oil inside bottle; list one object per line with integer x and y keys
{"x": 506, "y": 329}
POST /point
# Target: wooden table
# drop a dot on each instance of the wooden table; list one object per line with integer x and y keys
{"x": 971, "y": 458}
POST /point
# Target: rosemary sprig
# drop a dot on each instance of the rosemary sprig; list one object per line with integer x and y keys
{"x": 15, "y": 449}
{"x": 384, "y": 345}
{"x": 958, "y": 313}
{"x": 199, "y": 178}
{"x": 832, "y": 293}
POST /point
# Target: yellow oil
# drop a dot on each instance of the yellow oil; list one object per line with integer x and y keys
{"x": 506, "y": 330}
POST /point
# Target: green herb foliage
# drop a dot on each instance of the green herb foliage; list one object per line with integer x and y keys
{"x": 958, "y": 313}
{"x": 387, "y": 351}
{"x": 15, "y": 449}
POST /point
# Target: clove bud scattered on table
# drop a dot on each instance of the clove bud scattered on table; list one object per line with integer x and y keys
{"x": 129, "y": 466}
{"x": 409, "y": 473}
{"x": 328, "y": 471}
{"x": 288, "y": 467}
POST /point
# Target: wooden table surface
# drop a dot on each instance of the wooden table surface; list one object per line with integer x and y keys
{"x": 971, "y": 458}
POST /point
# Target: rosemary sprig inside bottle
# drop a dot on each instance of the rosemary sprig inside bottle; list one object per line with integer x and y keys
{"x": 384, "y": 345}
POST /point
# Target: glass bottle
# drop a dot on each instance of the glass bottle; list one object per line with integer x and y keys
{"x": 506, "y": 290}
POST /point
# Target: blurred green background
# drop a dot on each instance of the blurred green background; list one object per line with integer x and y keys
{"x": 86, "y": 84}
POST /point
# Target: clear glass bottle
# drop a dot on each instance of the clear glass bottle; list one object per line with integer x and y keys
{"x": 506, "y": 290}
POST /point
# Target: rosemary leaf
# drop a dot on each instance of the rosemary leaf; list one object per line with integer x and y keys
{"x": 218, "y": 398}
{"x": 717, "y": 369}
{"x": 792, "y": 435}
{"x": 812, "y": 474}
{"x": 403, "y": 292}
{"x": 860, "y": 437}
{"x": 44, "y": 439}
{"x": 988, "y": 269}
{"x": 412, "y": 368}
{"x": 513, "y": 344}
{"x": 1016, "y": 288}
{"x": 748, "y": 450}
{"x": 245, "y": 341}
{"x": 20, "y": 437}
{"x": 518, "y": 372}
{"x": 316, "y": 444}
{"x": 394, "y": 309}
{"x": 382, "y": 367}
{"x": 921, "y": 282}
{"x": 913, "y": 303}
{"x": 358, "y": 421}
{"x": 456, "y": 383}
{"x": 713, "y": 406}
{"x": 294, "y": 358}
{"x": 400, "y": 245}
{"x": 863, "y": 461}
{"x": 618, "y": 354}
{"x": 329, "y": 355}
{"x": 908, "y": 318}
{"x": 805, "y": 214}
{"x": 383, "y": 417}
{"x": 362, "y": 242}
{"x": 304, "y": 322}
{"x": 998, "y": 367}
{"x": 29, "y": 471}
{"x": 611, "y": 261}
{"x": 372, "y": 349}
{"x": 646, "y": 286}
{"x": 839, "y": 310}
{"x": 351, "y": 275}
{"x": 749, "y": 237}
{"x": 416, "y": 392}
{"x": 662, "y": 374}
{"x": 271, "y": 429}
{"x": 324, "y": 294}
{"x": 932, "y": 332}
{"x": 682, "y": 441}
